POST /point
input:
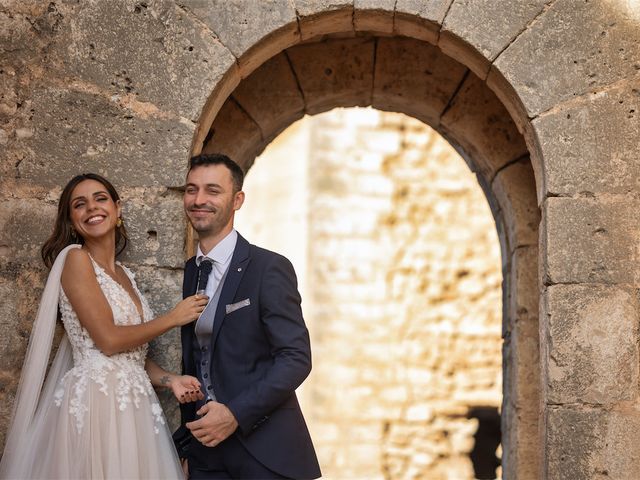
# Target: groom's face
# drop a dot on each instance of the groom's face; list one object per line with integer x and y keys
{"x": 210, "y": 201}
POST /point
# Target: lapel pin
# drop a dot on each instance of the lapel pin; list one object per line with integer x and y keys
{"x": 239, "y": 269}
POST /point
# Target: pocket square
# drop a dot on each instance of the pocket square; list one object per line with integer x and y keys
{"x": 232, "y": 307}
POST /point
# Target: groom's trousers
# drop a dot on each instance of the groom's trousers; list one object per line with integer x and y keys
{"x": 230, "y": 459}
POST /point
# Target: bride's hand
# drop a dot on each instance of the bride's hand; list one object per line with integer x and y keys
{"x": 186, "y": 388}
{"x": 189, "y": 309}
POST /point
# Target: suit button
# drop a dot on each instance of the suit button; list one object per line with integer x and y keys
{"x": 209, "y": 387}
{"x": 206, "y": 375}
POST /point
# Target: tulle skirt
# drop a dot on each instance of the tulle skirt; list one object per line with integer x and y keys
{"x": 93, "y": 435}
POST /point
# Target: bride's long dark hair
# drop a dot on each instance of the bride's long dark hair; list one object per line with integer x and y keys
{"x": 63, "y": 232}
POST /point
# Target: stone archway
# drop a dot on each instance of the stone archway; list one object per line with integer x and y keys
{"x": 414, "y": 77}
{"x": 127, "y": 88}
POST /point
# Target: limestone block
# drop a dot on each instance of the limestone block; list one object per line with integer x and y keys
{"x": 156, "y": 226}
{"x": 475, "y": 32}
{"x": 515, "y": 190}
{"x": 334, "y": 73}
{"x": 144, "y": 49}
{"x": 586, "y": 240}
{"x": 234, "y": 22}
{"x": 26, "y": 30}
{"x": 321, "y": 17}
{"x": 24, "y": 226}
{"x": 591, "y": 331}
{"x": 571, "y": 49}
{"x": 420, "y": 19}
{"x": 591, "y": 443}
{"x": 76, "y": 132}
{"x": 235, "y": 134}
{"x": 414, "y": 78}
{"x": 523, "y": 279}
{"x": 482, "y": 127}
{"x": 8, "y": 93}
{"x": 373, "y": 16}
{"x": 524, "y": 383}
{"x": 270, "y": 95}
{"x": 592, "y": 146}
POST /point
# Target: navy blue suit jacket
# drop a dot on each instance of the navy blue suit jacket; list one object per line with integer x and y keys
{"x": 260, "y": 354}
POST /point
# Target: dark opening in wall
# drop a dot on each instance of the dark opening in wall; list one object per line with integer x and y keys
{"x": 486, "y": 441}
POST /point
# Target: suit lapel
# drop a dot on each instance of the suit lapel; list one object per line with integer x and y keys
{"x": 237, "y": 267}
{"x": 190, "y": 278}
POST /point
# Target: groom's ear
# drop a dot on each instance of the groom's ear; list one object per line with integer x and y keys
{"x": 238, "y": 200}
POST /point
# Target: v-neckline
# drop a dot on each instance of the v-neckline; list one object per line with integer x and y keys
{"x": 139, "y": 311}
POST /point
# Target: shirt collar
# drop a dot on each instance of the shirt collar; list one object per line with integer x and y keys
{"x": 222, "y": 252}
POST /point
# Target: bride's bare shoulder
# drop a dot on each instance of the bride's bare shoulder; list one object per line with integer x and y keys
{"x": 77, "y": 264}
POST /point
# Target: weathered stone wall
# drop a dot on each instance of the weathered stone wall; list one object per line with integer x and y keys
{"x": 129, "y": 88}
{"x": 402, "y": 292}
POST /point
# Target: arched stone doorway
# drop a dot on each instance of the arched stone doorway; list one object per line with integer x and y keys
{"x": 416, "y": 78}
{"x": 119, "y": 88}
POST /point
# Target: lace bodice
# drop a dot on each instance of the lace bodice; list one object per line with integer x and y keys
{"x": 124, "y": 313}
{"x": 121, "y": 374}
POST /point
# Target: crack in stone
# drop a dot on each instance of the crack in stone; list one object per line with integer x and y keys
{"x": 239, "y": 105}
{"x": 522, "y": 158}
{"x": 547, "y": 6}
{"x": 295, "y": 77}
{"x": 373, "y": 73}
{"x": 207, "y": 28}
{"x": 583, "y": 97}
{"x": 454, "y": 95}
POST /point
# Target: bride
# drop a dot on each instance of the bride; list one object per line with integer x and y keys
{"x": 96, "y": 415}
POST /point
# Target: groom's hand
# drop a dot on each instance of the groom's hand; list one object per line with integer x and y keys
{"x": 216, "y": 424}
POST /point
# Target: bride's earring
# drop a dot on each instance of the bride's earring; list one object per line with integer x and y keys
{"x": 119, "y": 222}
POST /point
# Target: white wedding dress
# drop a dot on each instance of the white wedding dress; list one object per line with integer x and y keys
{"x": 101, "y": 417}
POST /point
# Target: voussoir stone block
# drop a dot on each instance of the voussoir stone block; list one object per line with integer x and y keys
{"x": 474, "y": 32}
{"x": 145, "y": 49}
{"x": 321, "y": 17}
{"x": 586, "y": 444}
{"x": 76, "y": 132}
{"x": 334, "y": 73}
{"x": 252, "y": 30}
{"x": 482, "y": 127}
{"x": 525, "y": 299}
{"x": 420, "y": 19}
{"x": 591, "y": 336}
{"x": 270, "y": 95}
{"x": 589, "y": 240}
{"x": 235, "y": 134}
{"x": 515, "y": 190}
{"x": 373, "y": 16}
{"x": 415, "y": 78}
{"x": 571, "y": 49}
{"x": 156, "y": 226}
{"x": 592, "y": 147}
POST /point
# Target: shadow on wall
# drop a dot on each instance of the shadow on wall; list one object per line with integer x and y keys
{"x": 486, "y": 441}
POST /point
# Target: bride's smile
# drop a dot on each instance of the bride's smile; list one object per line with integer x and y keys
{"x": 93, "y": 211}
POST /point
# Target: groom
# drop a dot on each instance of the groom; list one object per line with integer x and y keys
{"x": 249, "y": 348}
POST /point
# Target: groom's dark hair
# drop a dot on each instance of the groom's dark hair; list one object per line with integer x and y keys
{"x": 206, "y": 159}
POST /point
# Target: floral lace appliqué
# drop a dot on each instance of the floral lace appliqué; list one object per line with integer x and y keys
{"x": 122, "y": 374}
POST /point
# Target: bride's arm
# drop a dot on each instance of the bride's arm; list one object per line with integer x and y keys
{"x": 185, "y": 387}
{"x": 83, "y": 291}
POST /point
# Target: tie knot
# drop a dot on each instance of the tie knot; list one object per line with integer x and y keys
{"x": 205, "y": 266}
